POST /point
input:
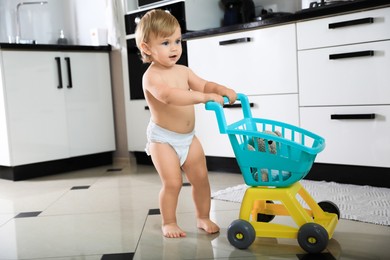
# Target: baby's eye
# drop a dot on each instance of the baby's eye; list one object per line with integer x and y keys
{"x": 166, "y": 43}
{"x": 178, "y": 41}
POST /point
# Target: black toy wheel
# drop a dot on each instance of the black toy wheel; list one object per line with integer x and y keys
{"x": 265, "y": 217}
{"x": 313, "y": 238}
{"x": 241, "y": 234}
{"x": 329, "y": 207}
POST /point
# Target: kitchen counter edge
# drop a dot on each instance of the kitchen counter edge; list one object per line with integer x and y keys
{"x": 305, "y": 14}
{"x": 53, "y": 47}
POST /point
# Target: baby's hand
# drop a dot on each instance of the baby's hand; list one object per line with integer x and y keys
{"x": 214, "y": 97}
{"x": 232, "y": 95}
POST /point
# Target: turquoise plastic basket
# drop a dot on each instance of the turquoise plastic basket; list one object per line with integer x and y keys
{"x": 296, "y": 148}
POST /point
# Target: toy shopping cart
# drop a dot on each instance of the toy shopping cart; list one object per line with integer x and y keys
{"x": 273, "y": 157}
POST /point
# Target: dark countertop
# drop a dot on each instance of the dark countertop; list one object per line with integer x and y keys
{"x": 54, "y": 47}
{"x": 305, "y": 14}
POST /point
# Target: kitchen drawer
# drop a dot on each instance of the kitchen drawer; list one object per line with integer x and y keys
{"x": 262, "y": 61}
{"x": 358, "y": 27}
{"x": 345, "y": 81}
{"x": 276, "y": 107}
{"x": 364, "y": 142}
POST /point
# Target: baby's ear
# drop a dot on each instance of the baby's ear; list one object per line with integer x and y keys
{"x": 145, "y": 48}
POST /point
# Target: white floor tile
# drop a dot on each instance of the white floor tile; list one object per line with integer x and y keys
{"x": 111, "y": 217}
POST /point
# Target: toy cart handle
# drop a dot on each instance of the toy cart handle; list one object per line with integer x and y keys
{"x": 218, "y": 109}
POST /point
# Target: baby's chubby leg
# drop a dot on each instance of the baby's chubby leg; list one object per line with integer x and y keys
{"x": 168, "y": 166}
{"x": 196, "y": 172}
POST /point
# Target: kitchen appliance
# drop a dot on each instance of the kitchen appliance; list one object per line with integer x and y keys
{"x": 276, "y": 6}
{"x": 269, "y": 14}
{"x": 232, "y": 12}
{"x": 191, "y": 14}
{"x": 197, "y": 14}
{"x": 238, "y": 11}
{"x": 321, "y": 3}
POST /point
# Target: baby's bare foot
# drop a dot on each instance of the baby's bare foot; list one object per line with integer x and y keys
{"x": 172, "y": 231}
{"x": 207, "y": 225}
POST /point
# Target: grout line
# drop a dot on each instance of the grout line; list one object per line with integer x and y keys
{"x": 150, "y": 212}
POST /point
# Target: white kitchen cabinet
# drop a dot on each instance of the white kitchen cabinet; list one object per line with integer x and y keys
{"x": 259, "y": 63}
{"x": 253, "y": 62}
{"x": 44, "y": 121}
{"x": 136, "y": 129}
{"x": 276, "y": 107}
{"x": 343, "y": 86}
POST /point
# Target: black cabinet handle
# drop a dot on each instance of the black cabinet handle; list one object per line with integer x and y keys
{"x": 234, "y": 41}
{"x": 238, "y": 105}
{"x": 67, "y": 59}
{"x": 58, "y": 60}
{"x": 351, "y": 55}
{"x": 146, "y": 107}
{"x": 352, "y": 116}
{"x": 351, "y": 23}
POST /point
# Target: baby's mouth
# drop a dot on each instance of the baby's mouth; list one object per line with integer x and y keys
{"x": 173, "y": 56}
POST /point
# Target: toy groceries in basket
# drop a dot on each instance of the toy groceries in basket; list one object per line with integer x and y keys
{"x": 273, "y": 156}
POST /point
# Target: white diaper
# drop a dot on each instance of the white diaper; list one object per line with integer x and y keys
{"x": 179, "y": 142}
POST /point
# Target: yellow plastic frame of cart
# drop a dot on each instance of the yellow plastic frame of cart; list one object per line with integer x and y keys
{"x": 255, "y": 202}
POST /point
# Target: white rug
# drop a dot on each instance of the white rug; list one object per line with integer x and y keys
{"x": 361, "y": 203}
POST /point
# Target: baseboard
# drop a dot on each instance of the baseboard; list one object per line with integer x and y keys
{"x": 348, "y": 174}
{"x": 28, "y": 171}
{"x": 121, "y": 161}
{"x": 142, "y": 158}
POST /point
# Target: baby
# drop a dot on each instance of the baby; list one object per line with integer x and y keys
{"x": 171, "y": 91}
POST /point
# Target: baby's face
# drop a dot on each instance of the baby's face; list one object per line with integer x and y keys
{"x": 166, "y": 50}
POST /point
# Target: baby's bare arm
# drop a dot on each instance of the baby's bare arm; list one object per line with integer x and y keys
{"x": 208, "y": 87}
{"x": 179, "y": 95}
{"x": 212, "y": 87}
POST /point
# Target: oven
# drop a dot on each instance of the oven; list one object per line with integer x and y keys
{"x": 183, "y": 10}
{"x": 136, "y": 68}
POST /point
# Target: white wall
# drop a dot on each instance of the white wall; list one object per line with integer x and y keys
{"x": 44, "y": 22}
{"x": 87, "y": 14}
{"x": 38, "y": 22}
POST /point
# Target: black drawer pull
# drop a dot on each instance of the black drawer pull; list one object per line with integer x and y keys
{"x": 351, "y": 23}
{"x": 67, "y": 59}
{"x": 58, "y": 60}
{"x": 351, "y": 55}
{"x": 352, "y": 116}
{"x": 238, "y": 105}
{"x": 146, "y": 107}
{"x": 234, "y": 41}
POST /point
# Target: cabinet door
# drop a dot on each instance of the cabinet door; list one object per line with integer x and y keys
{"x": 276, "y": 107}
{"x": 255, "y": 62}
{"x": 138, "y": 119}
{"x": 89, "y": 103}
{"x": 35, "y": 107}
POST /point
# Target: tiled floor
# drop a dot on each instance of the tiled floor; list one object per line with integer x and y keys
{"x": 112, "y": 213}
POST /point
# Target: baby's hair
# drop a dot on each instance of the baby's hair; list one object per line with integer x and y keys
{"x": 157, "y": 23}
